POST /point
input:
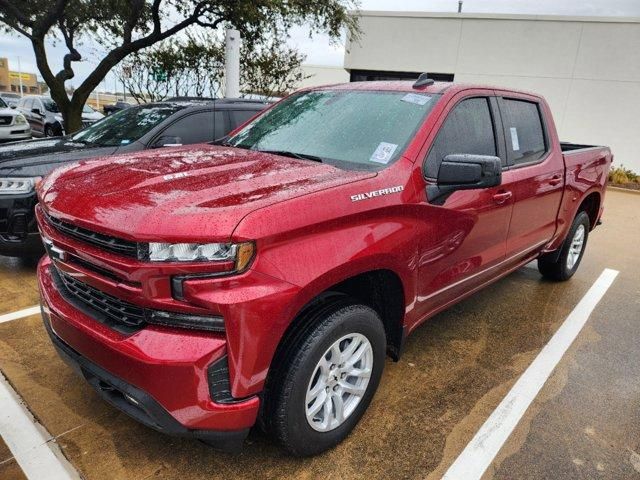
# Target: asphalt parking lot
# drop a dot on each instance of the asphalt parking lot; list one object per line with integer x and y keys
{"x": 457, "y": 368}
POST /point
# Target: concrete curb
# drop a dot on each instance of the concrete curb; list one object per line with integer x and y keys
{"x": 620, "y": 189}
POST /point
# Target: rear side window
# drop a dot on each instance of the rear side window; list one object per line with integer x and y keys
{"x": 523, "y": 130}
{"x": 467, "y": 129}
{"x": 198, "y": 128}
{"x": 238, "y": 117}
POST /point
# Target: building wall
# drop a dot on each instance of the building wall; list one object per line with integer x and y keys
{"x": 10, "y": 80}
{"x": 588, "y": 68}
{"x": 322, "y": 75}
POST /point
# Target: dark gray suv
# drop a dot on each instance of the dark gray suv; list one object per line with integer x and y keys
{"x": 154, "y": 125}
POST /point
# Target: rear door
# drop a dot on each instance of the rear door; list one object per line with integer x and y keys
{"x": 465, "y": 236}
{"x": 535, "y": 175}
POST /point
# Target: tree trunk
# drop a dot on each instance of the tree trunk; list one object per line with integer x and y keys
{"x": 73, "y": 117}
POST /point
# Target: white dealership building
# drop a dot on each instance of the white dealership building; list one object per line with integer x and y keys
{"x": 588, "y": 68}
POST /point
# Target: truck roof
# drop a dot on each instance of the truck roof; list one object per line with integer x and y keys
{"x": 407, "y": 86}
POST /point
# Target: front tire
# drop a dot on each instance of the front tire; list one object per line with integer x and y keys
{"x": 562, "y": 267}
{"x": 48, "y": 131}
{"x": 328, "y": 379}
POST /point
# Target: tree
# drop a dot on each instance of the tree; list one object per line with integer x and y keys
{"x": 124, "y": 27}
{"x": 272, "y": 69}
{"x": 195, "y": 66}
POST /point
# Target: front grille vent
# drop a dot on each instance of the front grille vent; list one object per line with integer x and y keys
{"x": 105, "y": 242}
{"x": 113, "y": 308}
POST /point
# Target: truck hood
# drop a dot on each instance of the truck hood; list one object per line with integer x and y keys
{"x": 189, "y": 194}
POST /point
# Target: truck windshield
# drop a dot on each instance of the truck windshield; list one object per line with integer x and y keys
{"x": 126, "y": 126}
{"x": 350, "y": 129}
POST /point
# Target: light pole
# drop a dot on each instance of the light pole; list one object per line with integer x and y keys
{"x": 20, "y": 76}
{"x": 232, "y": 63}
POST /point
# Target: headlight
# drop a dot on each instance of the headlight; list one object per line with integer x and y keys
{"x": 20, "y": 120}
{"x": 240, "y": 253}
{"x": 18, "y": 185}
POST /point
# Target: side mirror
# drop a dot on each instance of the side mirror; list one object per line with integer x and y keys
{"x": 13, "y": 106}
{"x": 167, "y": 141}
{"x": 464, "y": 172}
{"x": 37, "y": 111}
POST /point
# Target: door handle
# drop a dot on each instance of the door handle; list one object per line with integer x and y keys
{"x": 502, "y": 197}
{"x": 555, "y": 180}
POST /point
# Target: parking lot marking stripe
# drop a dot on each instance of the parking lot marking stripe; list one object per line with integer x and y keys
{"x": 31, "y": 445}
{"x": 7, "y": 317}
{"x": 485, "y": 445}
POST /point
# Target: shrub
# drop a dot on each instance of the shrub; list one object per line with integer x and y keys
{"x": 621, "y": 175}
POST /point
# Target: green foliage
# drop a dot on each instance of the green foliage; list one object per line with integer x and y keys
{"x": 621, "y": 175}
{"x": 124, "y": 27}
{"x": 194, "y": 66}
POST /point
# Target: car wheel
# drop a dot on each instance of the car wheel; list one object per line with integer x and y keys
{"x": 562, "y": 266}
{"x": 48, "y": 131}
{"x": 328, "y": 379}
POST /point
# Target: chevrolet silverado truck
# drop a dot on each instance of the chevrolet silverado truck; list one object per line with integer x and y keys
{"x": 206, "y": 289}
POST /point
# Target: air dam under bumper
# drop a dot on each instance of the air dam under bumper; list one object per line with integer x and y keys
{"x": 158, "y": 376}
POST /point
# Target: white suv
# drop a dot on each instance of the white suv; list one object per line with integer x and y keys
{"x": 13, "y": 125}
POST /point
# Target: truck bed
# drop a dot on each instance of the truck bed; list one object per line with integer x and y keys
{"x": 571, "y": 147}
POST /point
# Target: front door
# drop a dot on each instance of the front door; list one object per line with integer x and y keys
{"x": 465, "y": 237}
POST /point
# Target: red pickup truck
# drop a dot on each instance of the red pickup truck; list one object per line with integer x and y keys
{"x": 205, "y": 288}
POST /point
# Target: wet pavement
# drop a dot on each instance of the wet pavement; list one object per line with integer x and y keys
{"x": 585, "y": 423}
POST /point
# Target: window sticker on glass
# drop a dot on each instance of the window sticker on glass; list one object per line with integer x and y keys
{"x": 415, "y": 98}
{"x": 125, "y": 142}
{"x": 383, "y": 153}
{"x": 515, "y": 144}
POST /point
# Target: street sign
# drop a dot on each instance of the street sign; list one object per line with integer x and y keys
{"x": 160, "y": 75}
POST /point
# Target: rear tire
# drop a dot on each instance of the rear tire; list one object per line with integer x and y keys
{"x": 323, "y": 387}
{"x": 562, "y": 267}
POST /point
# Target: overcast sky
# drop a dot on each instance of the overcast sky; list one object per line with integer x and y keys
{"x": 320, "y": 52}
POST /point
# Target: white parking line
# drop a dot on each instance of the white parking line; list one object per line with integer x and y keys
{"x": 485, "y": 445}
{"x": 7, "y": 317}
{"x": 31, "y": 445}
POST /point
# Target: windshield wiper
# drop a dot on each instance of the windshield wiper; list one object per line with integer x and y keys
{"x": 300, "y": 156}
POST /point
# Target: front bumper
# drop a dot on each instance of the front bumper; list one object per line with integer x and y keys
{"x": 163, "y": 369}
{"x": 18, "y": 229}
{"x": 137, "y": 403}
{"x": 14, "y": 132}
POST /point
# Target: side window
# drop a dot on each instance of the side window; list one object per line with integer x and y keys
{"x": 523, "y": 130}
{"x": 238, "y": 117}
{"x": 197, "y": 128}
{"x": 467, "y": 129}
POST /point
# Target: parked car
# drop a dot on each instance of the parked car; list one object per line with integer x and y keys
{"x": 116, "y": 107}
{"x": 209, "y": 286}
{"x": 13, "y": 125}
{"x": 152, "y": 125}
{"x": 45, "y": 118}
{"x": 10, "y": 99}
{"x": 90, "y": 115}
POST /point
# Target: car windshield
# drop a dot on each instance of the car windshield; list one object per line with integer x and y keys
{"x": 87, "y": 109}
{"x": 349, "y": 129}
{"x": 50, "y": 105}
{"x": 2, "y": 103}
{"x": 126, "y": 126}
